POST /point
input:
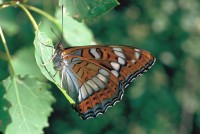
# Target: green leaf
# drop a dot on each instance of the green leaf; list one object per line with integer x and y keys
{"x": 24, "y": 63}
{"x": 87, "y": 9}
{"x": 4, "y": 105}
{"x": 47, "y": 25}
{"x": 75, "y": 33}
{"x": 43, "y": 53}
{"x": 30, "y": 105}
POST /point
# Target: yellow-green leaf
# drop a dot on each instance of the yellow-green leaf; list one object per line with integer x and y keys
{"x": 74, "y": 32}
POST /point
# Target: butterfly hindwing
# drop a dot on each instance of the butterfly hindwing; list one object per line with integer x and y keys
{"x": 98, "y": 75}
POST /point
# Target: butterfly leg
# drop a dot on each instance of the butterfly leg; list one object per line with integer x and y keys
{"x": 53, "y": 55}
{"x": 47, "y": 45}
{"x": 52, "y": 76}
{"x": 45, "y": 63}
{"x": 55, "y": 74}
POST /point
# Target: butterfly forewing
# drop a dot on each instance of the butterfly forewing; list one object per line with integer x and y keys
{"x": 96, "y": 76}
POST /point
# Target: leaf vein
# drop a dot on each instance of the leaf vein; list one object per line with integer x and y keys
{"x": 20, "y": 105}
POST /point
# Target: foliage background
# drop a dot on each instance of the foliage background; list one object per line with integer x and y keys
{"x": 164, "y": 100}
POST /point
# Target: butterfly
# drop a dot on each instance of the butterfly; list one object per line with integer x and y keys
{"x": 95, "y": 76}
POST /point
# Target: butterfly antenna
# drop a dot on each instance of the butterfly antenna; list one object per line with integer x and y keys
{"x": 62, "y": 24}
{"x": 60, "y": 39}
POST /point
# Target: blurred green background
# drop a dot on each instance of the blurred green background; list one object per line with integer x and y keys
{"x": 166, "y": 100}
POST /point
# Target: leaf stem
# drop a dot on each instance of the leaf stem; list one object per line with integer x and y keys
{"x": 71, "y": 101}
{"x": 30, "y": 16}
{"x": 12, "y": 72}
{"x": 7, "y": 4}
{"x": 35, "y": 9}
{"x": 45, "y": 14}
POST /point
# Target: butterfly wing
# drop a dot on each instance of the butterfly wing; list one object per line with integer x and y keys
{"x": 96, "y": 76}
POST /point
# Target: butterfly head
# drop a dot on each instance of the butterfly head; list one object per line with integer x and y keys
{"x": 58, "y": 60}
{"x": 59, "y": 46}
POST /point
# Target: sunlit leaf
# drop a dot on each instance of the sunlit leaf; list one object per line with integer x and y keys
{"x": 44, "y": 50}
{"x": 46, "y": 26}
{"x": 87, "y": 9}
{"x": 75, "y": 33}
{"x": 30, "y": 105}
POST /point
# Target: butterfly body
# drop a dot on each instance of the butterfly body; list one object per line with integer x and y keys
{"x": 95, "y": 76}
